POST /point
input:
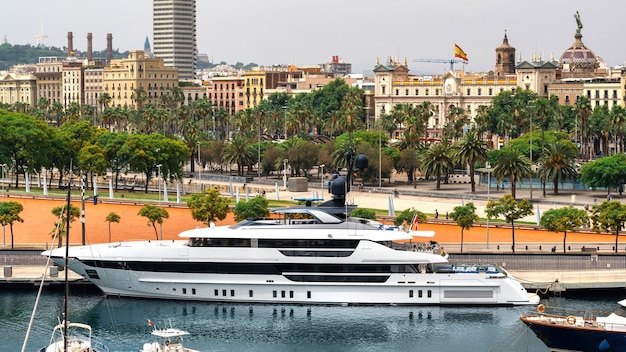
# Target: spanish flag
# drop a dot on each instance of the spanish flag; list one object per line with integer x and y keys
{"x": 458, "y": 52}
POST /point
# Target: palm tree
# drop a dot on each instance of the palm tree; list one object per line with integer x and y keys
{"x": 618, "y": 122}
{"x": 437, "y": 161}
{"x": 557, "y": 164}
{"x": 112, "y": 217}
{"x": 583, "y": 108}
{"x": 471, "y": 150}
{"x": 513, "y": 165}
{"x": 239, "y": 152}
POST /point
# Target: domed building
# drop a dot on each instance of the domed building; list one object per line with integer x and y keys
{"x": 578, "y": 59}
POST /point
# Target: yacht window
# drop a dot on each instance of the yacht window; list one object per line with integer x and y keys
{"x": 308, "y": 294}
{"x": 251, "y": 293}
{"x": 274, "y": 294}
{"x": 224, "y": 293}
{"x": 232, "y": 293}
{"x": 216, "y": 292}
{"x": 410, "y": 293}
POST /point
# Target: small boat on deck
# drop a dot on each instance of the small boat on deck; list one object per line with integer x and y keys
{"x": 584, "y": 332}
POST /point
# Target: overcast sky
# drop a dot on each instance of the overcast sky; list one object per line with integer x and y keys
{"x": 307, "y": 32}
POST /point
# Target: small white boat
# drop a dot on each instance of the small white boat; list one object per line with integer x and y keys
{"x": 78, "y": 339}
{"x": 167, "y": 340}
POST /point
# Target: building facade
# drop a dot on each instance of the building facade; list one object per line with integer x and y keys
{"x": 49, "y": 76}
{"x": 228, "y": 92}
{"x": 18, "y": 87}
{"x": 174, "y": 35}
{"x": 123, "y": 76}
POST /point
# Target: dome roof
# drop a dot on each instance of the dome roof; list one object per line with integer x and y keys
{"x": 578, "y": 56}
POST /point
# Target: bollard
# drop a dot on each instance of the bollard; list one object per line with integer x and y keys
{"x": 54, "y": 271}
{"x": 8, "y": 271}
{"x": 539, "y": 247}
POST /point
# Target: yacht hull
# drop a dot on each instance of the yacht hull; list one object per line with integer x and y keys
{"x": 396, "y": 289}
{"x": 571, "y": 337}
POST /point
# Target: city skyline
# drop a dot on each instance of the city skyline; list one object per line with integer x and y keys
{"x": 308, "y": 33}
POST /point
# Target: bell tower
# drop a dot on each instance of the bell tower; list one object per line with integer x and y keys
{"x": 505, "y": 58}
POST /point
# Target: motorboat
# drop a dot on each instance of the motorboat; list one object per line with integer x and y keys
{"x": 580, "y": 332}
{"x": 168, "y": 339}
{"x": 305, "y": 254}
{"x": 302, "y": 255}
{"x": 79, "y": 339}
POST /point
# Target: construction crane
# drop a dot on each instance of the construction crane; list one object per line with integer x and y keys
{"x": 443, "y": 61}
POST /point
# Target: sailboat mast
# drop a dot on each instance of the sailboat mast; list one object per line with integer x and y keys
{"x": 67, "y": 253}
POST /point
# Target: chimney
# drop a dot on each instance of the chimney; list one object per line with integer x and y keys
{"x": 89, "y": 48}
{"x": 70, "y": 44}
{"x": 109, "y": 47}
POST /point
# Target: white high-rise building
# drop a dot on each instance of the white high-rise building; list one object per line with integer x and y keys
{"x": 174, "y": 32}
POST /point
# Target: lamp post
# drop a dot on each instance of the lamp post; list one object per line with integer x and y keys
{"x": 322, "y": 179}
{"x": 488, "y": 167}
{"x": 259, "y": 147}
{"x": 3, "y": 166}
{"x": 531, "y": 156}
{"x": 159, "y": 182}
{"x": 285, "y": 161}
{"x": 159, "y": 187}
{"x": 199, "y": 163}
{"x": 4, "y": 242}
{"x": 285, "y": 120}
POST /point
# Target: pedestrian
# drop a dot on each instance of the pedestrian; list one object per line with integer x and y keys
{"x": 436, "y": 214}
{"x": 447, "y": 215}
{"x": 586, "y": 206}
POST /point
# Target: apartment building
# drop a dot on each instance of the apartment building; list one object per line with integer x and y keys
{"x": 123, "y": 76}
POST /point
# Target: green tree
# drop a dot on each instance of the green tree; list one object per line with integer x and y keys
{"x": 511, "y": 209}
{"x": 10, "y": 213}
{"x": 465, "y": 216}
{"x": 155, "y": 215}
{"x": 557, "y": 163}
{"x": 363, "y": 213}
{"x": 470, "y": 151}
{"x": 513, "y": 165}
{"x": 208, "y": 206}
{"x": 437, "y": 161}
{"x": 408, "y": 215}
{"x": 112, "y": 217}
{"x": 257, "y": 207}
{"x": 610, "y": 217}
{"x": 563, "y": 220}
{"x": 239, "y": 151}
{"x": 60, "y": 224}
{"x": 607, "y": 172}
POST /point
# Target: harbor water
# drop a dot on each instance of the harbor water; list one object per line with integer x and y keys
{"x": 122, "y": 324}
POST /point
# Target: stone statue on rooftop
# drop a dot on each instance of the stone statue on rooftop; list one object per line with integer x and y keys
{"x": 579, "y": 23}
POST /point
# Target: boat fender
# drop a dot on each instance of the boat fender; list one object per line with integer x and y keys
{"x": 571, "y": 320}
{"x": 541, "y": 308}
{"x": 604, "y": 346}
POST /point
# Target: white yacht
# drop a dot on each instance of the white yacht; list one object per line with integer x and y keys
{"x": 302, "y": 255}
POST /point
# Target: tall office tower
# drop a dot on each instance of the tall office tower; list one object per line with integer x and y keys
{"x": 174, "y": 32}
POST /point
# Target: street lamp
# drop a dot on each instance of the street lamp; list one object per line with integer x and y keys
{"x": 488, "y": 167}
{"x": 285, "y": 120}
{"x": 322, "y": 179}
{"x": 199, "y": 164}
{"x": 285, "y": 161}
{"x": 3, "y": 166}
{"x": 259, "y": 147}
{"x": 4, "y": 242}
{"x": 159, "y": 182}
